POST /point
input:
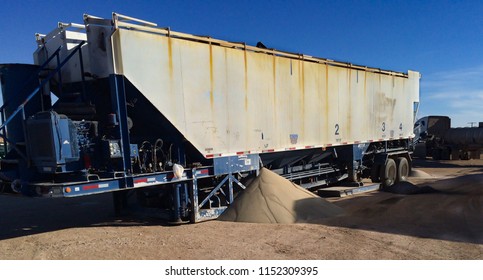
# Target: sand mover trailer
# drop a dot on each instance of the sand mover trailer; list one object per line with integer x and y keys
{"x": 121, "y": 105}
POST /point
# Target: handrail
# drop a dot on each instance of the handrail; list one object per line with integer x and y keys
{"x": 42, "y": 68}
{"x": 2, "y": 108}
{"x": 44, "y": 81}
{"x": 119, "y": 17}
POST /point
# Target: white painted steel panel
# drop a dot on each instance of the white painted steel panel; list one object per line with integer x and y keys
{"x": 226, "y": 100}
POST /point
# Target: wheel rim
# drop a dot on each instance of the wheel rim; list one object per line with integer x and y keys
{"x": 388, "y": 173}
{"x": 402, "y": 169}
{"x": 391, "y": 174}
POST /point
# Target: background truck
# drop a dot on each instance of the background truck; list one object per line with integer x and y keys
{"x": 119, "y": 105}
{"x": 435, "y": 138}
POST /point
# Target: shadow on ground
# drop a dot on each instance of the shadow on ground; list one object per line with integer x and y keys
{"x": 23, "y": 216}
{"x": 454, "y": 212}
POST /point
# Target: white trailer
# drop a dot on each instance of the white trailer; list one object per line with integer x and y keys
{"x": 229, "y": 98}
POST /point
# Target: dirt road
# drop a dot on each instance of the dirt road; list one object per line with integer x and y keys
{"x": 443, "y": 225}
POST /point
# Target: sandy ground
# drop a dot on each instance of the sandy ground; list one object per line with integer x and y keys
{"x": 377, "y": 225}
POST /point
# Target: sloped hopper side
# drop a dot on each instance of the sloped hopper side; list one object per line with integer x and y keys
{"x": 227, "y": 100}
{"x": 149, "y": 124}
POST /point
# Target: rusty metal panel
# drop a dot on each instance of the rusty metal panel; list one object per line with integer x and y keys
{"x": 227, "y": 100}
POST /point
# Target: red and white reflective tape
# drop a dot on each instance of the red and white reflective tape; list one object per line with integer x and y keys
{"x": 93, "y": 187}
{"x": 202, "y": 172}
{"x": 213, "y": 155}
{"x": 145, "y": 180}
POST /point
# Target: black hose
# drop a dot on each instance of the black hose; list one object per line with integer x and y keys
{"x": 155, "y": 158}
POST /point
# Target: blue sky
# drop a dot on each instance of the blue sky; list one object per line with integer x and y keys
{"x": 441, "y": 39}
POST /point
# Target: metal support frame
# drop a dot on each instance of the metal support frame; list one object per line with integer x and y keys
{"x": 177, "y": 203}
{"x": 180, "y": 201}
{"x": 59, "y": 75}
{"x": 81, "y": 62}
{"x": 227, "y": 167}
{"x": 118, "y": 99}
{"x": 200, "y": 214}
{"x": 195, "y": 209}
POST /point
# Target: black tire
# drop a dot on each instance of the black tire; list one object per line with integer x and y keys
{"x": 375, "y": 173}
{"x": 403, "y": 169}
{"x": 388, "y": 173}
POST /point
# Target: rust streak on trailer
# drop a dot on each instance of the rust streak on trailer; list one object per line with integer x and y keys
{"x": 246, "y": 77}
{"x": 326, "y": 115}
{"x": 170, "y": 57}
{"x": 302, "y": 85}
{"x": 274, "y": 80}
{"x": 351, "y": 99}
{"x": 274, "y": 89}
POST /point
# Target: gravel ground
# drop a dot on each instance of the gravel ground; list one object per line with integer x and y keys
{"x": 447, "y": 224}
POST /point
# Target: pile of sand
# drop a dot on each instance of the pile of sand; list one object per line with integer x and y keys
{"x": 271, "y": 198}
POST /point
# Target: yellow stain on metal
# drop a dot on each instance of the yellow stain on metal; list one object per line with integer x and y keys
{"x": 246, "y": 78}
{"x": 351, "y": 97}
{"x": 274, "y": 72}
{"x": 274, "y": 81}
{"x": 337, "y": 72}
{"x": 302, "y": 92}
{"x": 327, "y": 99}
{"x": 170, "y": 57}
